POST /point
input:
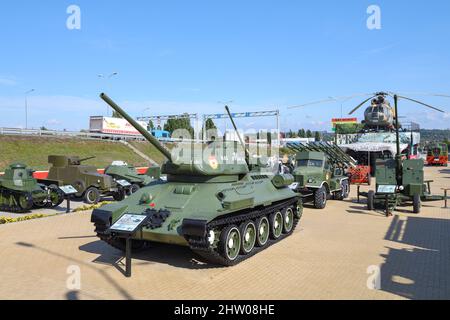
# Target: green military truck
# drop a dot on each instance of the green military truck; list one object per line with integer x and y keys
{"x": 320, "y": 172}
{"x": 91, "y": 185}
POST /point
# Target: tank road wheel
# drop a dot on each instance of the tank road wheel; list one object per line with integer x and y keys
{"x": 248, "y": 233}
{"x": 288, "y": 220}
{"x": 416, "y": 203}
{"x": 263, "y": 227}
{"x": 370, "y": 200}
{"x": 92, "y": 195}
{"x": 25, "y": 201}
{"x": 56, "y": 195}
{"x": 276, "y": 225}
{"x": 230, "y": 243}
{"x": 320, "y": 198}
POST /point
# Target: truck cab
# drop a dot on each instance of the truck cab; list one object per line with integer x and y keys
{"x": 318, "y": 180}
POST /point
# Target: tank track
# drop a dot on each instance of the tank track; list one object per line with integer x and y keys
{"x": 202, "y": 247}
{"x": 15, "y": 208}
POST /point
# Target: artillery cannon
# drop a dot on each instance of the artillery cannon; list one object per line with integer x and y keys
{"x": 222, "y": 210}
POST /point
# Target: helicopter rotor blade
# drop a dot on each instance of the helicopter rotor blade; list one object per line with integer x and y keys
{"x": 360, "y": 105}
{"x": 331, "y": 99}
{"x": 424, "y": 104}
{"x": 423, "y": 94}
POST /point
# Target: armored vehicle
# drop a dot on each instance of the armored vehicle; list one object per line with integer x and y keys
{"x": 90, "y": 184}
{"x": 225, "y": 211}
{"x": 320, "y": 172}
{"x": 20, "y": 192}
{"x": 120, "y": 170}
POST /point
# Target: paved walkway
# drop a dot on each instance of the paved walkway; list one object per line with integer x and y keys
{"x": 333, "y": 254}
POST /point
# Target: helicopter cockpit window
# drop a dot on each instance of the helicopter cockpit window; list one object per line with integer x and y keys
{"x": 310, "y": 163}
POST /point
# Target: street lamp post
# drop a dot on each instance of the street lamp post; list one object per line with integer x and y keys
{"x": 26, "y": 107}
{"x": 102, "y": 76}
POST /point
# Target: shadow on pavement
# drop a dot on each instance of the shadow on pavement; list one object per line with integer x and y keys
{"x": 122, "y": 291}
{"x": 420, "y": 272}
{"x": 176, "y": 256}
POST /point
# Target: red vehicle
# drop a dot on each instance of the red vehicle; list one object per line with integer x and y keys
{"x": 437, "y": 155}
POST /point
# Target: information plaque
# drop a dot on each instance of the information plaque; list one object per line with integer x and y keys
{"x": 386, "y": 188}
{"x": 123, "y": 183}
{"x": 68, "y": 190}
{"x": 128, "y": 223}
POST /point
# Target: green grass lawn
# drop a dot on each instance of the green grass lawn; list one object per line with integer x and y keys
{"x": 34, "y": 151}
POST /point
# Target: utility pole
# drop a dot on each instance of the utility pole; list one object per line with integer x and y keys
{"x": 26, "y": 107}
{"x": 102, "y": 76}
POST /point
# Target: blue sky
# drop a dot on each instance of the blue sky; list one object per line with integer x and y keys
{"x": 185, "y": 56}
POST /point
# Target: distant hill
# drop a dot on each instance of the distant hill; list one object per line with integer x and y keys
{"x": 427, "y": 135}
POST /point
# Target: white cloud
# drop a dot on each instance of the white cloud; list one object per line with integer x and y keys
{"x": 7, "y": 82}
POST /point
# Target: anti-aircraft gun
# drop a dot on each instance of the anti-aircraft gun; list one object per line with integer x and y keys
{"x": 91, "y": 185}
{"x": 221, "y": 209}
{"x": 320, "y": 172}
{"x": 400, "y": 181}
{"x": 20, "y": 191}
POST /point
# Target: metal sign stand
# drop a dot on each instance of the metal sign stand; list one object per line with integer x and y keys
{"x": 125, "y": 228}
{"x": 68, "y": 191}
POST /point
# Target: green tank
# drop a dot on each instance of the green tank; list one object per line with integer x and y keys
{"x": 225, "y": 212}
{"x": 20, "y": 192}
{"x": 120, "y": 170}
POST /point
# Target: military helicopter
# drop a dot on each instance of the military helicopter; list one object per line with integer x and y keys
{"x": 380, "y": 115}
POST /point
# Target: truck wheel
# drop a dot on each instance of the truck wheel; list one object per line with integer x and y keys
{"x": 119, "y": 195}
{"x": 370, "y": 200}
{"x": 320, "y": 198}
{"x": 92, "y": 195}
{"x": 346, "y": 185}
{"x": 134, "y": 188}
{"x": 416, "y": 203}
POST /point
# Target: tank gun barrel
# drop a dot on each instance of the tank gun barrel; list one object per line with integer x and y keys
{"x": 247, "y": 154}
{"x": 137, "y": 126}
{"x": 86, "y": 159}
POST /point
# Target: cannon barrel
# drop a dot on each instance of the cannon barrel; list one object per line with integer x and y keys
{"x": 85, "y": 159}
{"x": 147, "y": 135}
{"x": 247, "y": 154}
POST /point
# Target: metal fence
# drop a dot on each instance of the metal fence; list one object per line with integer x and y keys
{"x": 73, "y": 134}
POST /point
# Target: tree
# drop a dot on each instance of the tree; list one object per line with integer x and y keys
{"x": 302, "y": 133}
{"x": 179, "y": 123}
{"x": 309, "y": 134}
{"x": 211, "y": 130}
{"x": 317, "y": 136}
{"x": 150, "y": 125}
{"x": 349, "y": 128}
